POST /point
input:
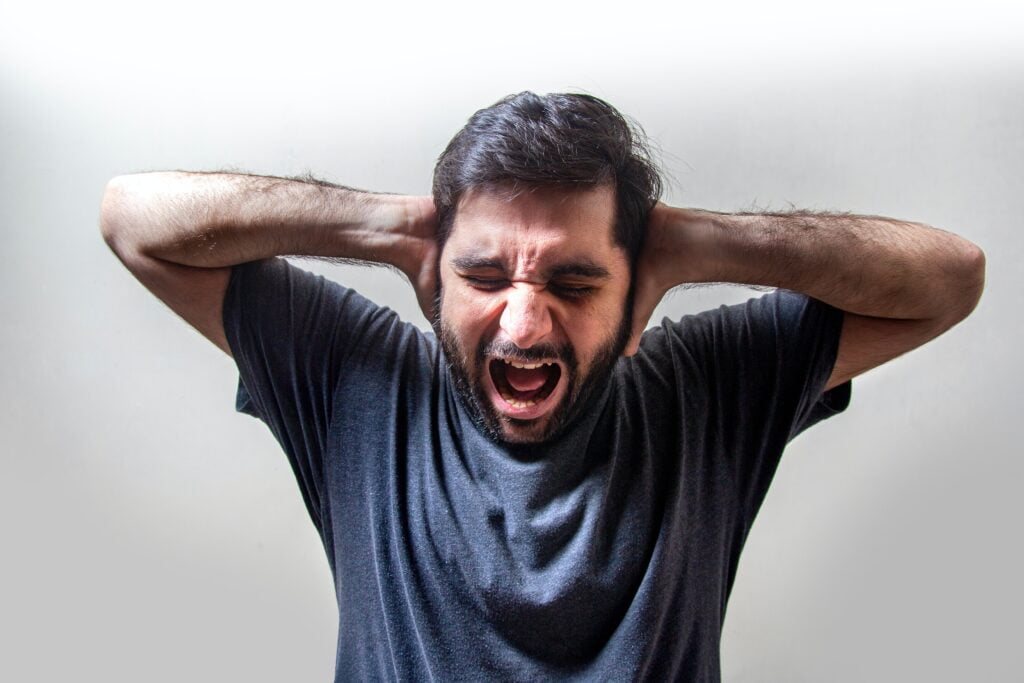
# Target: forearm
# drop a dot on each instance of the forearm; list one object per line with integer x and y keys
{"x": 867, "y": 265}
{"x": 222, "y": 219}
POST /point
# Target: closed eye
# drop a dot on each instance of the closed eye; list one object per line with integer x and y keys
{"x": 571, "y": 291}
{"x": 563, "y": 290}
{"x": 486, "y": 283}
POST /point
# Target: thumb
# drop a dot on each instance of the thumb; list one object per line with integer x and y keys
{"x": 427, "y": 290}
{"x": 634, "y": 344}
{"x": 644, "y": 303}
{"x": 635, "y": 333}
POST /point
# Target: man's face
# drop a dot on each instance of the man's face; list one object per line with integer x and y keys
{"x": 533, "y": 305}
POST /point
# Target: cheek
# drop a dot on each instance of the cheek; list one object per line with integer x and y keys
{"x": 468, "y": 305}
{"x": 466, "y": 315}
{"x": 588, "y": 340}
{"x": 591, "y": 331}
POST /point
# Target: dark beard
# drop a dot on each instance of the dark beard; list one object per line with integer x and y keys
{"x": 580, "y": 390}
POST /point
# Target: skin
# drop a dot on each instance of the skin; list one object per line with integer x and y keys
{"x": 898, "y": 283}
{"x": 537, "y": 278}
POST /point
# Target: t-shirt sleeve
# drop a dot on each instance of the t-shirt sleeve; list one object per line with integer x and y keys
{"x": 756, "y": 373}
{"x": 291, "y": 333}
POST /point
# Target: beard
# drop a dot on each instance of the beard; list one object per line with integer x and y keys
{"x": 468, "y": 368}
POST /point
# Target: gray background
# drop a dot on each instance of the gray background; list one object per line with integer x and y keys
{"x": 151, "y": 533}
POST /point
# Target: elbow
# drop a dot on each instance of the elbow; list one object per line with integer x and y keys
{"x": 970, "y": 279}
{"x": 976, "y": 273}
{"x": 111, "y": 213}
{"x": 123, "y": 214}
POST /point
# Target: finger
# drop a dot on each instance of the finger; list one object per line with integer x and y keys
{"x": 427, "y": 295}
{"x": 633, "y": 345}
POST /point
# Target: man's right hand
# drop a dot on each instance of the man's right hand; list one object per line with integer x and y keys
{"x": 180, "y": 233}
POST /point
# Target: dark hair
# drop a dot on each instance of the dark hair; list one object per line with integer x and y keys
{"x": 568, "y": 140}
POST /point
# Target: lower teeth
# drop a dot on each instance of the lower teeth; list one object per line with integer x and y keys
{"x": 529, "y": 403}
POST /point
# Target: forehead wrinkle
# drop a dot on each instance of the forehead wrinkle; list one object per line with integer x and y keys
{"x": 536, "y": 237}
{"x": 542, "y": 209}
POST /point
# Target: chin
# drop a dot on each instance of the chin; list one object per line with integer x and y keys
{"x": 498, "y": 420}
{"x": 527, "y": 432}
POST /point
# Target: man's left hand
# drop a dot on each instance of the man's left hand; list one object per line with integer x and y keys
{"x": 651, "y": 284}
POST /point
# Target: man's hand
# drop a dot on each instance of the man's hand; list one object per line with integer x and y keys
{"x": 418, "y": 256}
{"x": 657, "y": 272}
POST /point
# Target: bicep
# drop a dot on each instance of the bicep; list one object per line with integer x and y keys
{"x": 867, "y": 342}
{"x": 195, "y": 294}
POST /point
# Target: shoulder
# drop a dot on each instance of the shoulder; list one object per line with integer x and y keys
{"x": 766, "y": 334}
{"x": 273, "y": 304}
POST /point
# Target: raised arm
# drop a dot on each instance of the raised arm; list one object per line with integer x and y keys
{"x": 900, "y": 284}
{"x": 179, "y": 233}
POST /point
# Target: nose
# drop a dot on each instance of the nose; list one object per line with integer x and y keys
{"x": 526, "y": 318}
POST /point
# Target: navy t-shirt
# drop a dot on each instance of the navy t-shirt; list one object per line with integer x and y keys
{"x": 606, "y": 554}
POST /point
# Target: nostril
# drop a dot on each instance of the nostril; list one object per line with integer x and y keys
{"x": 525, "y": 320}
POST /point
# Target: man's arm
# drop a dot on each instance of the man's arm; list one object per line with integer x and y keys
{"x": 900, "y": 284}
{"x": 180, "y": 233}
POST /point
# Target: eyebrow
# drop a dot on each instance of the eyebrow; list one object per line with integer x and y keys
{"x": 582, "y": 268}
{"x": 476, "y": 263}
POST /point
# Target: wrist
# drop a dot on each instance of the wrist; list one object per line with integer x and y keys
{"x": 690, "y": 246}
{"x": 405, "y": 228}
{"x": 353, "y": 225}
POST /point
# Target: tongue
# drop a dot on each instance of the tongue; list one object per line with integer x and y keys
{"x": 522, "y": 379}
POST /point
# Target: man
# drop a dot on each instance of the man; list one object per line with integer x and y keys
{"x": 540, "y": 489}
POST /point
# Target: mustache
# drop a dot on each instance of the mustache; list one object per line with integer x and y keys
{"x": 507, "y": 349}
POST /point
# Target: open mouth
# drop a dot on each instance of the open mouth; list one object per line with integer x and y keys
{"x": 524, "y": 389}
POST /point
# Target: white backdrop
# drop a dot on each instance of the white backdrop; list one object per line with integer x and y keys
{"x": 151, "y": 533}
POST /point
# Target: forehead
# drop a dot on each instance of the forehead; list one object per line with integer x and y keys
{"x": 536, "y": 227}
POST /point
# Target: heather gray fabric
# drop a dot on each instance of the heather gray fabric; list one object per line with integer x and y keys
{"x": 607, "y": 554}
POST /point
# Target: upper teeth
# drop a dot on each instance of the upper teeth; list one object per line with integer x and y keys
{"x": 525, "y": 366}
